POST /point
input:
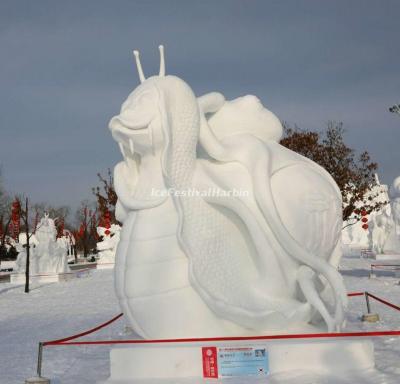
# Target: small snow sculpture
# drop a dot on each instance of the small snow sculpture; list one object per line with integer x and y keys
{"x": 205, "y": 263}
{"x": 392, "y": 244}
{"x": 20, "y": 246}
{"x": 107, "y": 247}
{"x": 47, "y": 253}
{"x": 367, "y": 232}
{"x": 380, "y": 228}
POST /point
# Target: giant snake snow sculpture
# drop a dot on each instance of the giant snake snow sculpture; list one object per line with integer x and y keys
{"x": 195, "y": 262}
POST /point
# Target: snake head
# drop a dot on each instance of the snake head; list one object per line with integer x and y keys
{"x": 131, "y": 128}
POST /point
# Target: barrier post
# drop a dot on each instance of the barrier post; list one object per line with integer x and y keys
{"x": 39, "y": 379}
{"x": 371, "y": 273}
{"x": 369, "y": 317}
{"x": 367, "y": 302}
{"x": 39, "y": 359}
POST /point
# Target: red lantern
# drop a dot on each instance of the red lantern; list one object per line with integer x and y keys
{"x": 365, "y": 226}
{"x": 364, "y": 220}
{"x": 107, "y": 232}
{"x": 364, "y": 212}
{"x": 357, "y": 211}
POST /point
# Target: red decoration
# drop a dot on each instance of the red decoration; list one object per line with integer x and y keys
{"x": 364, "y": 212}
{"x": 365, "y": 226}
{"x": 81, "y": 231}
{"x": 15, "y": 219}
{"x": 107, "y": 232}
{"x": 357, "y": 211}
{"x": 106, "y": 220}
{"x": 364, "y": 220}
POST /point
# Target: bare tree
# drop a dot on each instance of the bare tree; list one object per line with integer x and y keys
{"x": 86, "y": 235}
{"x": 5, "y": 199}
{"x": 25, "y": 219}
{"x": 354, "y": 175}
{"x": 9, "y": 228}
{"x": 106, "y": 196}
{"x": 5, "y": 218}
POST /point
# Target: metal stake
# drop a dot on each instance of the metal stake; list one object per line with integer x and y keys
{"x": 367, "y": 301}
{"x": 39, "y": 359}
{"x": 370, "y": 317}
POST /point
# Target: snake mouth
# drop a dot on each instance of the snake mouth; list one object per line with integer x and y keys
{"x": 131, "y": 136}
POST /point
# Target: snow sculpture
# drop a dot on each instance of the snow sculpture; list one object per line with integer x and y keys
{"x": 225, "y": 232}
{"x": 392, "y": 244}
{"x": 47, "y": 253}
{"x": 368, "y": 234}
{"x": 380, "y": 227}
{"x": 20, "y": 263}
{"x": 355, "y": 236}
{"x": 69, "y": 241}
{"x": 107, "y": 247}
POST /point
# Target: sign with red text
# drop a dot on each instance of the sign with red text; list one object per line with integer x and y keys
{"x": 221, "y": 362}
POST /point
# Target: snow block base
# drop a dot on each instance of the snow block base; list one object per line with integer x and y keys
{"x": 185, "y": 361}
{"x": 19, "y": 278}
{"x": 105, "y": 265}
{"x": 370, "y": 317}
{"x": 37, "y": 380}
{"x": 388, "y": 257}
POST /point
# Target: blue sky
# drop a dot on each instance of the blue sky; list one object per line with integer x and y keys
{"x": 66, "y": 67}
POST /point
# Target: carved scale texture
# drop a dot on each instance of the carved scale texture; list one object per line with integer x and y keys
{"x": 218, "y": 268}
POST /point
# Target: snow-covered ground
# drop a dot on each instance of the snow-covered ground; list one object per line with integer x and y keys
{"x": 56, "y": 310}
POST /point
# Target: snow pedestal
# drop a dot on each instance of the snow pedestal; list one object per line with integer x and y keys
{"x": 181, "y": 361}
{"x": 19, "y": 278}
{"x": 37, "y": 380}
{"x": 105, "y": 265}
{"x": 388, "y": 257}
{"x": 370, "y": 317}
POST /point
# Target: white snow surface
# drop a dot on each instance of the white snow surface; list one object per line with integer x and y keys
{"x": 57, "y": 310}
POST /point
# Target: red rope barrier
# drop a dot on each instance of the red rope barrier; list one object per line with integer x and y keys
{"x": 237, "y": 338}
{"x": 67, "y": 340}
{"x": 355, "y": 294}
{"x": 61, "y": 341}
{"x": 387, "y": 267}
{"x": 383, "y": 301}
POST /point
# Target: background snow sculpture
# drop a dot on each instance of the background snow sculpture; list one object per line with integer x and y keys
{"x": 392, "y": 244}
{"x": 379, "y": 229}
{"x": 107, "y": 247}
{"x": 371, "y": 231}
{"x": 220, "y": 264}
{"x": 48, "y": 254}
{"x": 20, "y": 262}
